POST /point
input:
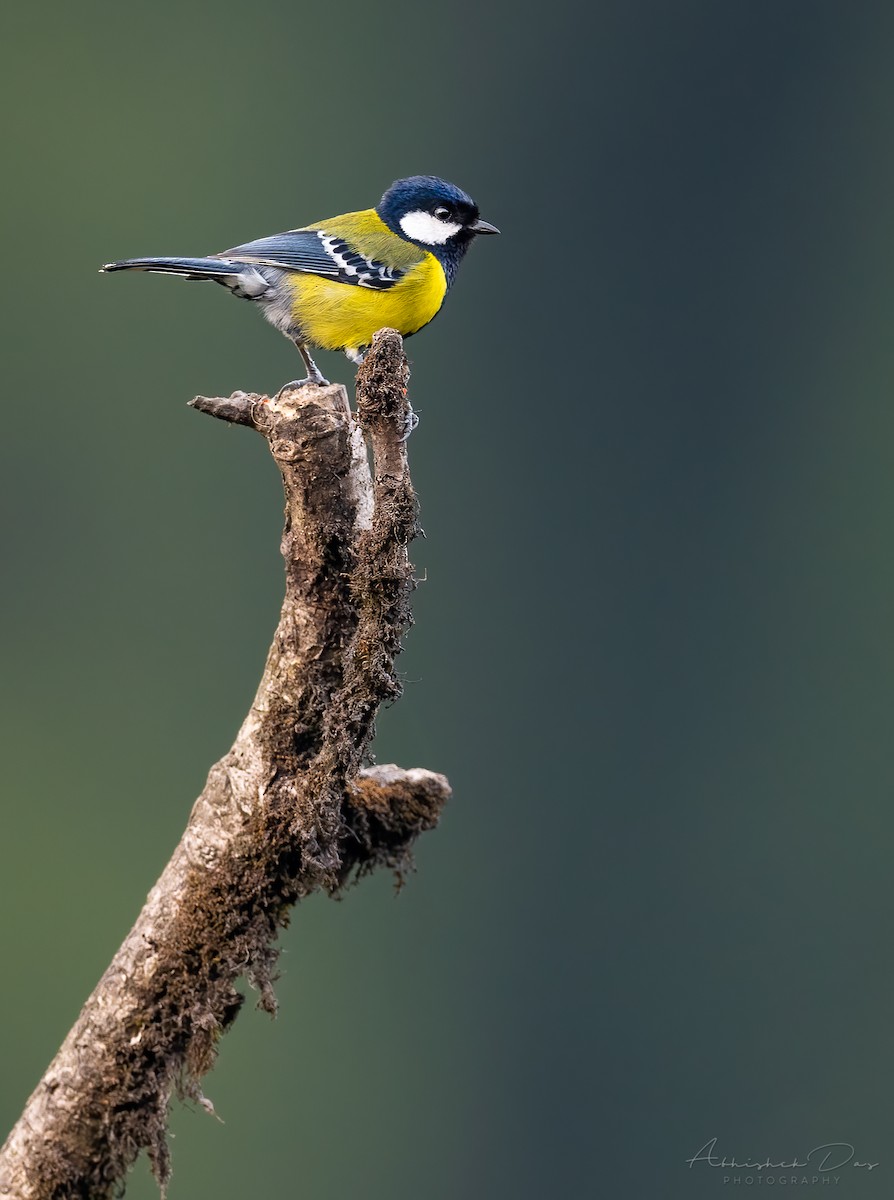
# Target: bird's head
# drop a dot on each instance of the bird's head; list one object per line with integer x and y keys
{"x": 434, "y": 214}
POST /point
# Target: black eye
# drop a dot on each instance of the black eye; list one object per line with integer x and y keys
{"x": 442, "y": 213}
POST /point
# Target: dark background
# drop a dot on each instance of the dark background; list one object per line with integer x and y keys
{"x": 653, "y": 652}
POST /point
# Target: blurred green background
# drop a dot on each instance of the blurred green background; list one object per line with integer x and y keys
{"x": 653, "y": 651}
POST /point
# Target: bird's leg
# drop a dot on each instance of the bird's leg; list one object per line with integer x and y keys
{"x": 314, "y": 374}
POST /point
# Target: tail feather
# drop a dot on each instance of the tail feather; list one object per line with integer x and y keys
{"x": 191, "y": 268}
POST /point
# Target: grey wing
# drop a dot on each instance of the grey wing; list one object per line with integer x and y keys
{"x": 315, "y": 252}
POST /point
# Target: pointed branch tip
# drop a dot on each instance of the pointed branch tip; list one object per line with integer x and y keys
{"x": 235, "y": 409}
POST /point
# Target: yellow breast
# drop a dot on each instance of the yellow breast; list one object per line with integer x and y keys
{"x": 343, "y": 316}
{"x": 339, "y": 316}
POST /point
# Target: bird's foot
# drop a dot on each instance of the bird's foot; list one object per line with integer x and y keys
{"x": 410, "y": 423}
{"x": 311, "y": 381}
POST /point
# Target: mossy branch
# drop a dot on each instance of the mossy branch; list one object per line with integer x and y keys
{"x": 289, "y": 810}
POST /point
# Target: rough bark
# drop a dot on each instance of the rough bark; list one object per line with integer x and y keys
{"x": 287, "y": 811}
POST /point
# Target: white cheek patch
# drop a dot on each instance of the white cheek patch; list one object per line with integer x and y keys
{"x": 423, "y": 227}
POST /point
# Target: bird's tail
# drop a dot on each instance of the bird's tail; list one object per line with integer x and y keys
{"x": 190, "y": 268}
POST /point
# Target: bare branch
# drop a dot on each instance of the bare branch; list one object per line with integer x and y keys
{"x": 288, "y": 810}
{"x": 237, "y": 409}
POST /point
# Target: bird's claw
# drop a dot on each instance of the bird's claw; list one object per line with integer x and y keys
{"x": 310, "y": 381}
{"x": 410, "y": 422}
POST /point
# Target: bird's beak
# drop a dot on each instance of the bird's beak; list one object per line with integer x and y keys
{"x": 483, "y": 227}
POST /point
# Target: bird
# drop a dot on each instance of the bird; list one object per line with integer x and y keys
{"x": 332, "y": 284}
